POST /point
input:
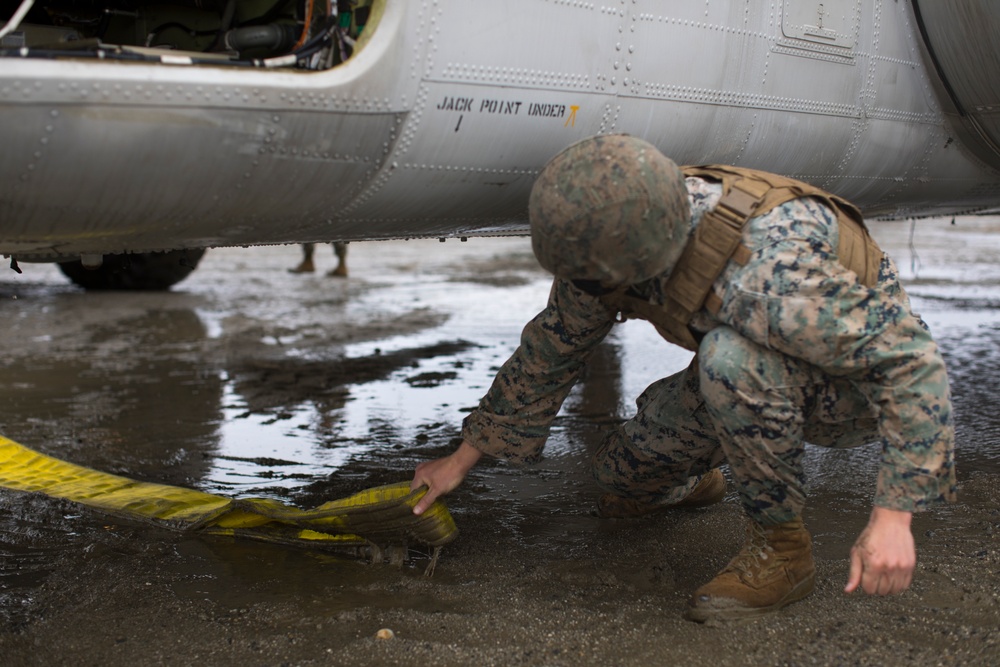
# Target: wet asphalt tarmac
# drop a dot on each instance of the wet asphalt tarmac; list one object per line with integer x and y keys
{"x": 247, "y": 380}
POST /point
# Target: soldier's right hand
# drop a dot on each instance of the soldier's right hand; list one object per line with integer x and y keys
{"x": 443, "y": 475}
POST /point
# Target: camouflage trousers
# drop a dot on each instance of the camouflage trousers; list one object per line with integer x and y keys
{"x": 741, "y": 404}
{"x": 800, "y": 352}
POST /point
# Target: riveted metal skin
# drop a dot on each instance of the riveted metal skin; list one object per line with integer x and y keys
{"x": 439, "y": 126}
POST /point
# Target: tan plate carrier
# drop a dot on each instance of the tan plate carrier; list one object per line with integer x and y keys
{"x": 746, "y": 193}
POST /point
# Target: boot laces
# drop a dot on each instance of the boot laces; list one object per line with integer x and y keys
{"x": 755, "y": 559}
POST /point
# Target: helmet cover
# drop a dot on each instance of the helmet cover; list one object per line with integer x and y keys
{"x": 610, "y": 208}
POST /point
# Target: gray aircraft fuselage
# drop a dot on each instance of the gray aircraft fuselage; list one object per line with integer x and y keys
{"x": 438, "y": 123}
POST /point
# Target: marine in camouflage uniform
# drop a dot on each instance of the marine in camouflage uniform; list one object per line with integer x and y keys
{"x": 799, "y": 351}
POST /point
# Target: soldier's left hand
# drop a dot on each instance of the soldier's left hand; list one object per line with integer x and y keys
{"x": 884, "y": 556}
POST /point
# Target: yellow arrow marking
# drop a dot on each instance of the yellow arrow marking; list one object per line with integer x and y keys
{"x": 571, "y": 121}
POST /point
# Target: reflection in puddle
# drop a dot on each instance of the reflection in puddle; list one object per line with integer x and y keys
{"x": 287, "y": 424}
{"x": 316, "y": 417}
{"x": 256, "y": 452}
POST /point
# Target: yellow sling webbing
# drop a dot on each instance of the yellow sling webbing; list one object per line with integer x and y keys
{"x": 377, "y": 516}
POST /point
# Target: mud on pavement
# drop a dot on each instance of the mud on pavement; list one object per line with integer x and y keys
{"x": 246, "y": 380}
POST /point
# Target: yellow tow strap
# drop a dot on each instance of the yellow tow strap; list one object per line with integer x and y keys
{"x": 380, "y": 516}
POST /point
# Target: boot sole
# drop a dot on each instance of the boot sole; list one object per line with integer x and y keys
{"x": 736, "y": 612}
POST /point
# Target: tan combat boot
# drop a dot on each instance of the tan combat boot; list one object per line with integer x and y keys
{"x": 774, "y": 568}
{"x": 710, "y": 490}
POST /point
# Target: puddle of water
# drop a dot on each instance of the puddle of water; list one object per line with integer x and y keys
{"x": 256, "y": 452}
{"x": 377, "y": 413}
{"x": 395, "y": 408}
{"x": 231, "y": 446}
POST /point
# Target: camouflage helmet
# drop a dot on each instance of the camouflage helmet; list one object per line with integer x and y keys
{"x": 609, "y": 208}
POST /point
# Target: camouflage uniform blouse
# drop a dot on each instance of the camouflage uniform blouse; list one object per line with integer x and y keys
{"x": 869, "y": 337}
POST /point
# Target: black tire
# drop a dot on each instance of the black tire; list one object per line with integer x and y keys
{"x": 155, "y": 271}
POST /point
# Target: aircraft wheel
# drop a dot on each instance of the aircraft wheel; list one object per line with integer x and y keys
{"x": 141, "y": 271}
